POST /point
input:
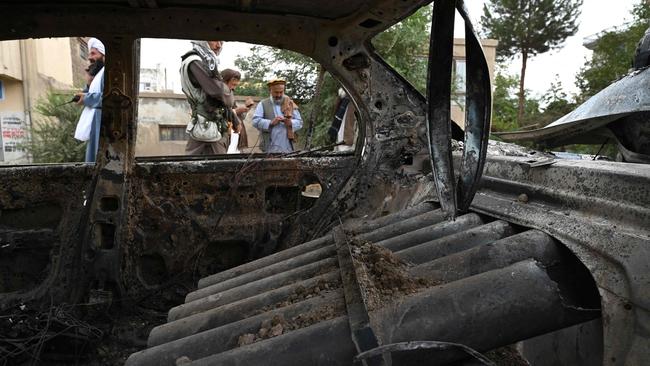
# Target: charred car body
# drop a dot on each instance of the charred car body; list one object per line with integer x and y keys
{"x": 508, "y": 248}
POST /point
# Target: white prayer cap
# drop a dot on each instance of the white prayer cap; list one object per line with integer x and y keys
{"x": 97, "y": 44}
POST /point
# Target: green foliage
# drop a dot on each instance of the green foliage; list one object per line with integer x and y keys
{"x": 404, "y": 47}
{"x": 268, "y": 62}
{"x": 255, "y": 68}
{"x": 528, "y": 28}
{"x": 504, "y": 104}
{"x": 52, "y": 133}
{"x": 324, "y": 112}
{"x": 613, "y": 53}
{"x": 557, "y": 103}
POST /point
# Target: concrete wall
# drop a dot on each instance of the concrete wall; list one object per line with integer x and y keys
{"x": 13, "y": 96}
{"x": 10, "y": 60}
{"x": 154, "y": 110}
{"x": 29, "y": 68}
{"x": 53, "y": 59}
{"x": 79, "y": 61}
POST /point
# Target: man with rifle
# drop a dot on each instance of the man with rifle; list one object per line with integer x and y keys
{"x": 91, "y": 117}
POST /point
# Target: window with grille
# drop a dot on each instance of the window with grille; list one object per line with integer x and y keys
{"x": 83, "y": 50}
{"x": 172, "y": 133}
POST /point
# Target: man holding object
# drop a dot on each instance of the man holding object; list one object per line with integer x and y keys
{"x": 277, "y": 118}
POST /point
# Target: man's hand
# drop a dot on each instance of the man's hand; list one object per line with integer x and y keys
{"x": 81, "y": 98}
{"x": 287, "y": 122}
{"x": 277, "y": 120}
{"x": 240, "y": 110}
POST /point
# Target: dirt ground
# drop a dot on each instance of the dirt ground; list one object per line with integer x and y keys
{"x": 278, "y": 325}
{"x": 382, "y": 275}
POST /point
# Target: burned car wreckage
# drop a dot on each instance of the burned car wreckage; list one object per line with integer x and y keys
{"x": 414, "y": 252}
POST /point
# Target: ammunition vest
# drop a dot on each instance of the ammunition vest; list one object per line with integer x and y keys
{"x": 197, "y": 98}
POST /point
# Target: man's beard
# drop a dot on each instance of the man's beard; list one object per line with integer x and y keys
{"x": 277, "y": 100}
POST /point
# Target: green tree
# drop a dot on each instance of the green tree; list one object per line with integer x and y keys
{"x": 52, "y": 133}
{"x": 613, "y": 53}
{"x": 528, "y": 28}
{"x": 404, "y": 47}
{"x": 505, "y": 104}
{"x": 556, "y": 103}
{"x": 255, "y": 68}
{"x": 265, "y": 62}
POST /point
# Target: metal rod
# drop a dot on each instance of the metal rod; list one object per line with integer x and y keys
{"x": 231, "y": 312}
{"x": 478, "y": 112}
{"x": 483, "y": 312}
{"x": 398, "y": 220}
{"x": 441, "y": 47}
{"x": 449, "y": 244}
{"x": 405, "y": 226}
{"x": 529, "y": 244}
{"x": 264, "y": 272}
{"x": 225, "y": 337}
{"x": 357, "y": 226}
{"x": 432, "y": 232}
{"x": 251, "y": 289}
{"x": 265, "y": 261}
{"x": 361, "y": 332}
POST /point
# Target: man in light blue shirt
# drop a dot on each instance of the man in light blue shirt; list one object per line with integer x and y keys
{"x": 277, "y": 118}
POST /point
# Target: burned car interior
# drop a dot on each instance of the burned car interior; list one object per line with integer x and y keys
{"x": 427, "y": 244}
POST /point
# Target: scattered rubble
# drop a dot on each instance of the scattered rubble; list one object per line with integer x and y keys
{"x": 383, "y": 277}
{"x": 303, "y": 293}
{"x": 278, "y": 325}
{"x": 507, "y": 356}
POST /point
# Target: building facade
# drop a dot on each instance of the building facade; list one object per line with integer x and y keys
{"x": 30, "y": 68}
{"x": 153, "y": 80}
{"x": 458, "y": 100}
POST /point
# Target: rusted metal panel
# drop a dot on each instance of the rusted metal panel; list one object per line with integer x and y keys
{"x": 42, "y": 209}
{"x": 478, "y": 114}
{"x": 600, "y": 211}
{"x": 439, "y": 99}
